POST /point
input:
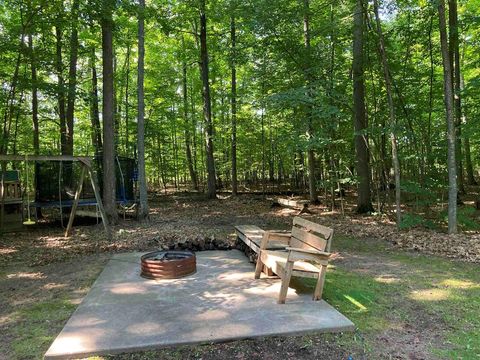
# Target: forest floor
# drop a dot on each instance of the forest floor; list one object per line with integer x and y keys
{"x": 412, "y": 294}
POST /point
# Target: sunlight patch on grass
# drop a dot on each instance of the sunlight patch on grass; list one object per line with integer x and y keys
{"x": 430, "y": 295}
{"x": 26, "y": 275}
{"x": 6, "y": 251}
{"x": 51, "y": 286}
{"x": 460, "y": 284}
{"x": 7, "y": 319}
{"x": 387, "y": 279}
{"x": 356, "y": 303}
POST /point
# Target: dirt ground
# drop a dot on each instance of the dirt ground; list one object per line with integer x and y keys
{"x": 44, "y": 276}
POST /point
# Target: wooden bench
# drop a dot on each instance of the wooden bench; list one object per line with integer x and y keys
{"x": 306, "y": 254}
{"x": 252, "y": 236}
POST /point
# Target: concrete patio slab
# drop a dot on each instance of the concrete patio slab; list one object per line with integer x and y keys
{"x": 220, "y": 302}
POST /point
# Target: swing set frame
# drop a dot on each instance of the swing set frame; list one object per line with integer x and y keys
{"x": 85, "y": 169}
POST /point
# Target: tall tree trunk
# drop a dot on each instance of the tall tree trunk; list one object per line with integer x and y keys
{"x": 10, "y": 103}
{"x": 468, "y": 162}
{"x": 36, "y": 138}
{"x": 262, "y": 120}
{"x": 174, "y": 146}
{"x": 454, "y": 53}
{"x": 329, "y": 92}
{"x": 94, "y": 113}
{"x": 15, "y": 133}
{"x": 364, "y": 201}
{"x": 109, "y": 177}
{"x": 271, "y": 159}
{"x": 61, "y": 85}
{"x": 207, "y": 107}
{"x": 117, "y": 104}
{"x": 194, "y": 127}
{"x": 312, "y": 182}
{"x": 72, "y": 80}
{"x": 428, "y": 142}
{"x": 450, "y": 115}
{"x": 188, "y": 148}
{"x": 127, "y": 106}
{"x": 466, "y": 144}
{"x": 391, "y": 108}
{"x": 233, "y": 103}
{"x": 142, "y": 180}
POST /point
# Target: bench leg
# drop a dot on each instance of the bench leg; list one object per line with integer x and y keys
{"x": 267, "y": 271}
{"x": 258, "y": 266}
{"x": 317, "y": 295}
{"x": 285, "y": 282}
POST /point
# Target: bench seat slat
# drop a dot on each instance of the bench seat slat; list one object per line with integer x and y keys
{"x": 276, "y": 260}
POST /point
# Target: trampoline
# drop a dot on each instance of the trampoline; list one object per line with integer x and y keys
{"x": 67, "y": 182}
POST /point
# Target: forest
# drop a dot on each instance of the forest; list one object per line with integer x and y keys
{"x": 374, "y": 99}
{"x": 346, "y": 132}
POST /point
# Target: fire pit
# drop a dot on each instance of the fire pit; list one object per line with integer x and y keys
{"x": 168, "y": 264}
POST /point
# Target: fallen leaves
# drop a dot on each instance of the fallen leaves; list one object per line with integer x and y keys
{"x": 186, "y": 221}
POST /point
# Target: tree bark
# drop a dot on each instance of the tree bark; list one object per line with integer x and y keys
{"x": 233, "y": 103}
{"x": 109, "y": 177}
{"x": 10, "y": 102}
{"x": 454, "y": 52}
{"x": 142, "y": 180}
{"x": 466, "y": 143}
{"x": 72, "y": 80}
{"x": 262, "y": 122}
{"x": 312, "y": 182}
{"x": 94, "y": 112}
{"x": 15, "y": 133}
{"x": 468, "y": 162}
{"x": 364, "y": 201}
{"x": 391, "y": 107}
{"x": 188, "y": 140}
{"x": 450, "y": 115}
{"x": 60, "y": 84}
{"x": 127, "y": 83}
{"x": 36, "y": 138}
{"x": 207, "y": 107}
{"x": 428, "y": 142}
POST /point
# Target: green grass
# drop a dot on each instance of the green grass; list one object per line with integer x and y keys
{"x": 440, "y": 290}
{"x": 446, "y": 291}
{"x": 38, "y": 325}
{"x": 357, "y": 297}
{"x": 452, "y": 292}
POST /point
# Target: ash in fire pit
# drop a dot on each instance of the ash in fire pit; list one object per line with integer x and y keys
{"x": 168, "y": 264}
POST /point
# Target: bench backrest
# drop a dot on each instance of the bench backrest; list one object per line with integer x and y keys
{"x": 310, "y": 236}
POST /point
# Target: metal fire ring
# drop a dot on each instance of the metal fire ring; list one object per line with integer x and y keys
{"x": 168, "y": 264}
